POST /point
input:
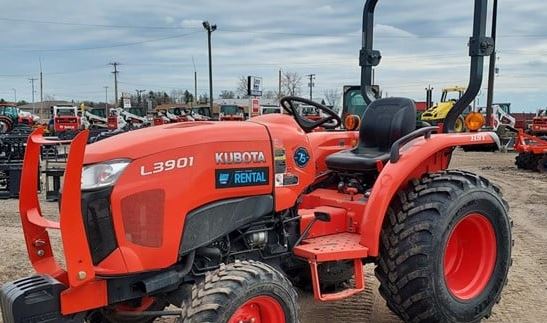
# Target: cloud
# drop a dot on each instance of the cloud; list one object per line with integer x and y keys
{"x": 191, "y": 23}
{"x": 423, "y": 42}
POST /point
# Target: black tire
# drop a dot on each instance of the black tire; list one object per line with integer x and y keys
{"x": 414, "y": 235}
{"x": 459, "y": 125}
{"x": 6, "y": 124}
{"x": 529, "y": 161}
{"x": 542, "y": 164}
{"x": 224, "y": 290}
{"x": 520, "y": 160}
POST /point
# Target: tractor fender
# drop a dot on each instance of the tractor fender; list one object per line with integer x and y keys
{"x": 427, "y": 154}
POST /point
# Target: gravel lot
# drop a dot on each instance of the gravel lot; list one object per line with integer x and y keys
{"x": 524, "y": 298}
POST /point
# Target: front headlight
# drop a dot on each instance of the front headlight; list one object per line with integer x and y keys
{"x": 103, "y": 174}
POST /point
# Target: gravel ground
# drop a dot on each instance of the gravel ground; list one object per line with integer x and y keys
{"x": 523, "y": 298}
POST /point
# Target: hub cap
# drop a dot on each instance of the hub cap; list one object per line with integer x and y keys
{"x": 260, "y": 309}
{"x": 470, "y": 256}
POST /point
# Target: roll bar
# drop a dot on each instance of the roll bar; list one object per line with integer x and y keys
{"x": 479, "y": 46}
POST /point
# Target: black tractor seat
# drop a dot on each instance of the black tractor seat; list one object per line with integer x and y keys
{"x": 383, "y": 122}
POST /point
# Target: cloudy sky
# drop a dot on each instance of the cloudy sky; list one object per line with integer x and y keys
{"x": 423, "y": 42}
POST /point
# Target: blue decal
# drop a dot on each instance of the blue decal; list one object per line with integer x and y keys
{"x": 241, "y": 177}
{"x": 301, "y": 157}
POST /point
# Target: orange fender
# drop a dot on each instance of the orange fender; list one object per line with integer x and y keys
{"x": 418, "y": 157}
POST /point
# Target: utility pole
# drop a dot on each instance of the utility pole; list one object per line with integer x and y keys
{"x": 492, "y": 68}
{"x": 195, "y": 82}
{"x": 14, "y": 95}
{"x": 41, "y": 91}
{"x": 311, "y": 84}
{"x": 32, "y": 82}
{"x": 279, "y": 90}
{"x": 210, "y": 28}
{"x": 106, "y": 100}
{"x": 115, "y": 72}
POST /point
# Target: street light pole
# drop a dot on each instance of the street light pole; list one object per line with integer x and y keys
{"x": 106, "y": 100}
{"x": 139, "y": 98}
{"x": 32, "y": 82}
{"x": 492, "y": 68}
{"x": 210, "y": 28}
{"x": 14, "y": 95}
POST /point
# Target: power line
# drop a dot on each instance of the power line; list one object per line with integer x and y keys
{"x": 247, "y": 31}
{"x": 91, "y": 25}
{"x": 55, "y": 73}
{"x": 99, "y": 47}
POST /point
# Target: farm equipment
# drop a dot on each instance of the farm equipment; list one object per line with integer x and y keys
{"x": 532, "y": 152}
{"x": 539, "y": 123}
{"x": 231, "y": 113}
{"x": 171, "y": 115}
{"x": 11, "y": 117}
{"x": 501, "y": 122}
{"x": 270, "y": 109}
{"x": 12, "y": 150}
{"x": 130, "y": 118}
{"x": 201, "y": 113}
{"x": 219, "y": 224}
{"x": 438, "y": 112}
{"x": 94, "y": 118}
{"x": 65, "y": 122}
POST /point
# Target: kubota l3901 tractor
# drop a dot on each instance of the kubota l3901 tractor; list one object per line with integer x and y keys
{"x": 221, "y": 219}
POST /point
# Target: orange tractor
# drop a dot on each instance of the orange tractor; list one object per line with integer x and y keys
{"x": 222, "y": 225}
{"x": 532, "y": 152}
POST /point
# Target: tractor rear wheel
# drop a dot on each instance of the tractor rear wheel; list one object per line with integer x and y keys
{"x": 244, "y": 291}
{"x": 445, "y": 249}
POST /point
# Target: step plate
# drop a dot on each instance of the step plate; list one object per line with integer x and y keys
{"x": 340, "y": 246}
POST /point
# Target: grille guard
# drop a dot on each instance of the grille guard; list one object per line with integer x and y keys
{"x": 79, "y": 267}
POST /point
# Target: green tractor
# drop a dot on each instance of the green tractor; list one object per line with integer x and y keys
{"x": 11, "y": 117}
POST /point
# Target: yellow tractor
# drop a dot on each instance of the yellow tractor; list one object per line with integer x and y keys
{"x": 437, "y": 113}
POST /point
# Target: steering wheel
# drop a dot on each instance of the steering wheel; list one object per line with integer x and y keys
{"x": 331, "y": 121}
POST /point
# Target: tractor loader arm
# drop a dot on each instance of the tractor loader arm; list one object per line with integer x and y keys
{"x": 412, "y": 156}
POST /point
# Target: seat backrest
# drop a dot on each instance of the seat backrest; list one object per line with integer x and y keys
{"x": 385, "y": 121}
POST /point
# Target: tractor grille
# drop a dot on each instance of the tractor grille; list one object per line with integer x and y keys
{"x": 98, "y": 224}
{"x": 142, "y": 215}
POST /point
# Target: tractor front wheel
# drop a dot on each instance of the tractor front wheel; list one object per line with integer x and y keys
{"x": 445, "y": 249}
{"x": 245, "y": 291}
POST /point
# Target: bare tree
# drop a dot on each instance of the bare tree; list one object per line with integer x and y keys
{"x": 227, "y": 94}
{"x": 291, "y": 84}
{"x": 177, "y": 95}
{"x": 269, "y": 95}
{"x": 49, "y": 97}
{"x": 242, "y": 86}
{"x": 332, "y": 96}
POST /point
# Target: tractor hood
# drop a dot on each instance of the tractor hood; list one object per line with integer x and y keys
{"x": 148, "y": 141}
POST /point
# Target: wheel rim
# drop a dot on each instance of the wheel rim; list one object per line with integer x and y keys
{"x": 470, "y": 256}
{"x": 260, "y": 309}
{"x": 146, "y": 302}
